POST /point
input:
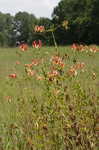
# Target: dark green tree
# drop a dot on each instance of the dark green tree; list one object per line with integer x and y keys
{"x": 83, "y": 20}
{"x": 6, "y": 25}
{"x": 23, "y": 26}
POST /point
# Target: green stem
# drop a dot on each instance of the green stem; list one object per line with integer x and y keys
{"x": 54, "y": 41}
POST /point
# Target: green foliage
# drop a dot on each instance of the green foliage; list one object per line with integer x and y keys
{"x": 20, "y": 28}
{"x": 5, "y": 29}
{"x": 24, "y": 26}
{"x": 83, "y": 19}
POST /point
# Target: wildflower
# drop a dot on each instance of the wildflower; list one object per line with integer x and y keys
{"x": 55, "y": 59}
{"x": 72, "y": 72}
{"x": 78, "y": 47}
{"x": 31, "y": 72}
{"x": 61, "y": 64}
{"x": 28, "y": 65}
{"x": 93, "y": 49}
{"x": 17, "y": 62}
{"x": 8, "y": 98}
{"x": 79, "y": 65}
{"x": 52, "y": 74}
{"x": 39, "y": 28}
{"x": 23, "y": 47}
{"x": 65, "y": 24}
{"x": 58, "y": 61}
{"x": 37, "y": 44}
{"x": 74, "y": 46}
{"x": 13, "y": 75}
{"x": 93, "y": 75}
{"x": 56, "y": 92}
{"x": 29, "y": 141}
{"x": 35, "y": 62}
{"x": 39, "y": 78}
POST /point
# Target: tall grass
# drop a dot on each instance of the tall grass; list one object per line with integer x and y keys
{"x": 39, "y": 111}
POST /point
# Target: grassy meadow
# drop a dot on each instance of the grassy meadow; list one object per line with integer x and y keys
{"x": 52, "y": 100}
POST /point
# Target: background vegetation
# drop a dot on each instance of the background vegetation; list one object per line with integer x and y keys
{"x": 83, "y": 17}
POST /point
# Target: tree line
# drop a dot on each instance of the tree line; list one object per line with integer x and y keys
{"x": 82, "y": 17}
{"x": 20, "y": 28}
